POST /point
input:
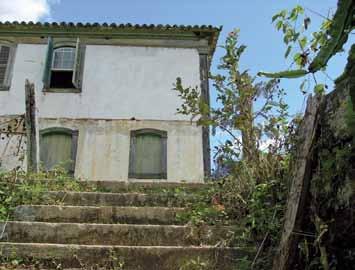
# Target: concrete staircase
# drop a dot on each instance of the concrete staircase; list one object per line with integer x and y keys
{"x": 126, "y": 227}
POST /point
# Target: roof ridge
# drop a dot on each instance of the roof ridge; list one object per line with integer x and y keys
{"x": 114, "y": 25}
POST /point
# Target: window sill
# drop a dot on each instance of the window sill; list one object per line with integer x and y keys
{"x": 4, "y": 88}
{"x": 62, "y": 90}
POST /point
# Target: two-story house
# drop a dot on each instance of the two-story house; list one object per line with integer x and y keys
{"x": 104, "y": 96}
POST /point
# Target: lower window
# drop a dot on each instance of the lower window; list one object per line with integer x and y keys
{"x": 148, "y": 154}
{"x": 58, "y": 147}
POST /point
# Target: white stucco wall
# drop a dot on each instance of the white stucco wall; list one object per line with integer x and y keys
{"x": 120, "y": 82}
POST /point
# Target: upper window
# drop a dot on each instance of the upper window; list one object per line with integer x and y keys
{"x": 148, "y": 154}
{"x": 64, "y": 67}
{"x": 64, "y": 59}
{"x": 6, "y": 60}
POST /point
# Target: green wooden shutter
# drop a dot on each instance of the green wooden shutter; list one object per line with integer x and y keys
{"x": 48, "y": 64}
{"x": 10, "y": 66}
{"x": 148, "y": 155}
{"x": 78, "y": 64}
{"x": 56, "y": 149}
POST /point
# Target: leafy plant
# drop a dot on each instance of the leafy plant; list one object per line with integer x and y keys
{"x": 18, "y": 187}
{"x": 310, "y": 52}
{"x": 196, "y": 264}
{"x": 248, "y": 112}
{"x": 251, "y": 185}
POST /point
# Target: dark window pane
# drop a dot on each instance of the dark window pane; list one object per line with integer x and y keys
{"x": 2, "y": 74}
{"x": 61, "y": 79}
{"x": 4, "y": 59}
{"x": 4, "y": 55}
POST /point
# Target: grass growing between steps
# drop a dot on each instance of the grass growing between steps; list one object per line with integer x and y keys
{"x": 254, "y": 211}
{"x": 18, "y": 188}
{"x": 14, "y": 262}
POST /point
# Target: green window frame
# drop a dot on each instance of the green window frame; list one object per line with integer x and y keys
{"x": 74, "y": 143}
{"x": 78, "y": 68}
{"x": 134, "y": 152}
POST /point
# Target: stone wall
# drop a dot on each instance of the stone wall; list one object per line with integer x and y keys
{"x": 330, "y": 211}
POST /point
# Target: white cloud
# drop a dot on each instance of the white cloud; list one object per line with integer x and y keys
{"x": 25, "y": 10}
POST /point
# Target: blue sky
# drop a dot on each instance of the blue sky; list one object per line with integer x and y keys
{"x": 265, "y": 47}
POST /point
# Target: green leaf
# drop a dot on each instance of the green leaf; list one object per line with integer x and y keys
{"x": 298, "y": 59}
{"x": 290, "y": 74}
{"x": 319, "y": 88}
{"x": 283, "y": 13}
{"x": 286, "y": 39}
{"x": 279, "y": 25}
{"x": 303, "y": 42}
{"x": 275, "y": 17}
{"x": 295, "y": 36}
{"x": 289, "y": 48}
{"x": 299, "y": 9}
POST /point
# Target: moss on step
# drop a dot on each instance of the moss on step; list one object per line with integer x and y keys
{"x": 143, "y": 258}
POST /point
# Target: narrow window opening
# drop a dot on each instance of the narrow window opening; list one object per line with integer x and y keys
{"x": 4, "y": 60}
{"x": 63, "y": 68}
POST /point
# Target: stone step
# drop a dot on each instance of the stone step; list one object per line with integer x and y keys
{"x": 114, "y": 186}
{"x": 92, "y": 214}
{"x": 130, "y": 258}
{"x": 116, "y": 199}
{"x": 112, "y": 234}
{"x": 124, "y": 186}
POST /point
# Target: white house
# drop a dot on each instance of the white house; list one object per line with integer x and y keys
{"x": 104, "y": 96}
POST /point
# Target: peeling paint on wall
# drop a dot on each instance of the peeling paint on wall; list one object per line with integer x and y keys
{"x": 103, "y": 147}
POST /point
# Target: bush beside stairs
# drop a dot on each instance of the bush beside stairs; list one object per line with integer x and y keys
{"x": 124, "y": 226}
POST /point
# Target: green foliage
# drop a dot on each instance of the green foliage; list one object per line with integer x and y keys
{"x": 296, "y": 35}
{"x": 251, "y": 196}
{"x": 244, "y": 263}
{"x": 319, "y": 88}
{"x": 265, "y": 207}
{"x": 203, "y": 211}
{"x": 248, "y": 112}
{"x": 327, "y": 240}
{"x": 289, "y": 74}
{"x": 330, "y": 212}
{"x": 115, "y": 262}
{"x": 301, "y": 46}
{"x": 336, "y": 34}
{"x": 254, "y": 210}
{"x": 193, "y": 104}
{"x": 350, "y": 115}
{"x": 196, "y": 264}
{"x": 18, "y": 187}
